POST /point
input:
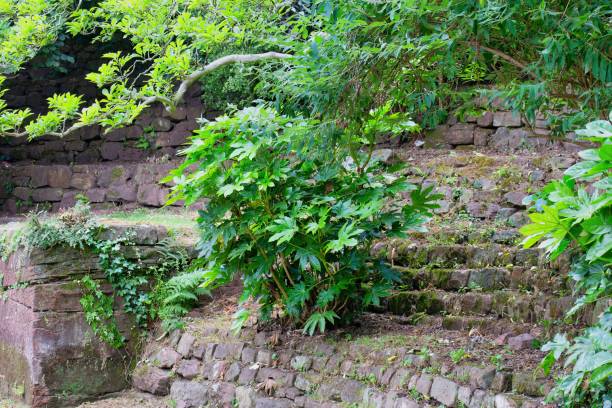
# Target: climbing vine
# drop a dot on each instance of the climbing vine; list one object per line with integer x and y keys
{"x": 129, "y": 278}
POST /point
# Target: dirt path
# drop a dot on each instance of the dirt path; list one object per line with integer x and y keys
{"x": 129, "y": 399}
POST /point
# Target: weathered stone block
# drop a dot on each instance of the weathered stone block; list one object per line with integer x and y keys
{"x": 460, "y": 134}
{"x": 485, "y": 120}
{"x": 152, "y": 380}
{"x": 521, "y": 342}
{"x": 110, "y": 150}
{"x": 22, "y": 193}
{"x": 161, "y": 125}
{"x": 96, "y": 195}
{"x": 40, "y": 195}
{"x": 352, "y": 392}
{"x": 444, "y": 391}
{"x": 83, "y": 181}
{"x": 151, "y": 195}
{"x": 189, "y": 394}
{"x": 481, "y": 136}
{"x": 506, "y": 119}
{"x": 166, "y": 358}
{"x": 122, "y": 192}
{"x": 189, "y": 369}
{"x": 423, "y": 384}
{"x": 301, "y": 363}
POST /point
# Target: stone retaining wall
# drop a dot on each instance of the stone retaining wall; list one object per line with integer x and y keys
{"x": 263, "y": 370}
{"x": 49, "y": 356}
{"x": 52, "y": 187}
{"x": 155, "y": 133}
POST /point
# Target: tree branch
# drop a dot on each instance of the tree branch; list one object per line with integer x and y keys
{"x": 171, "y": 102}
{"x": 218, "y": 63}
{"x": 504, "y": 56}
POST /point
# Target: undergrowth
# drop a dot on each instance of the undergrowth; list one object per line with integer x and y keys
{"x": 166, "y": 289}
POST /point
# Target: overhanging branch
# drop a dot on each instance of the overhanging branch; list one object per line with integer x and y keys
{"x": 172, "y": 102}
{"x": 504, "y": 56}
{"x": 218, "y": 63}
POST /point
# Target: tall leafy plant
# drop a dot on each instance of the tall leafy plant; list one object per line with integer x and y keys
{"x": 295, "y": 227}
{"x": 575, "y": 214}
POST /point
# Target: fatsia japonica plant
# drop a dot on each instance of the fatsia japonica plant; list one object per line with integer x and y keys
{"x": 296, "y": 228}
{"x": 575, "y": 214}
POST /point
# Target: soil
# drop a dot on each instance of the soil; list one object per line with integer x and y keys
{"x": 129, "y": 399}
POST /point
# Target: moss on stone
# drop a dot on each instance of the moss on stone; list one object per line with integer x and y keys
{"x": 117, "y": 172}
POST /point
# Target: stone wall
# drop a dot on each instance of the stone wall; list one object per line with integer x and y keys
{"x": 212, "y": 367}
{"x": 120, "y": 167}
{"x": 105, "y": 185}
{"x": 48, "y": 354}
{"x": 500, "y": 130}
{"x": 156, "y": 133}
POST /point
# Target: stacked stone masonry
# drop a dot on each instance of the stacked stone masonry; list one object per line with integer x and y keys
{"x": 49, "y": 172}
{"x": 48, "y": 354}
{"x": 156, "y": 133}
{"x": 58, "y": 186}
{"x": 216, "y": 368}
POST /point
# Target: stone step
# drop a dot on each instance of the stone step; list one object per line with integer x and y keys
{"x": 485, "y": 279}
{"x": 508, "y": 304}
{"x": 375, "y": 371}
{"x": 468, "y": 232}
{"x": 411, "y": 254}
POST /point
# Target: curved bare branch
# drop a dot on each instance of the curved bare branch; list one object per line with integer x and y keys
{"x": 172, "y": 102}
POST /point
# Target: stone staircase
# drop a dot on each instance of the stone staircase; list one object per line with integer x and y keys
{"x": 463, "y": 329}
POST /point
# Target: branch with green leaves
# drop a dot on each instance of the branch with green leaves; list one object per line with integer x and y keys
{"x": 174, "y": 44}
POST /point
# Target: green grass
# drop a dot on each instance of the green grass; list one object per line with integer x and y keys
{"x": 168, "y": 218}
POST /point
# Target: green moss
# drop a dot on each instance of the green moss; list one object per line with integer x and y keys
{"x": 15, "y": 370}
{"x": 440, "y": 277}
{"x": 117, "y": 172}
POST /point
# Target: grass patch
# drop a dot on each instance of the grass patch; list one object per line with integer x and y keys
{"x": 166, "y": 217}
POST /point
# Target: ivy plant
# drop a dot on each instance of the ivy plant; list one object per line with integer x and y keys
{"x": 147, "y": 292}
{"x": 295, "y": 228}
{"x": 575, "y": 214}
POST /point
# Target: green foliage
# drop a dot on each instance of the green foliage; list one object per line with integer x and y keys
{"x": 173, "y": 298}
{"x": 128, "y": 277}
{"x": 430, "y": 59}
{"x": 458, "y": 355}
{"x": 297, "y": 228}
{"x": 434, "y": 58}
{"x": 576, "y": 214}
{"x": 99, "y": 313}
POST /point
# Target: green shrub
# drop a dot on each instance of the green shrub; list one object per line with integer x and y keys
{"x": 576, "y": 214}
{"x": 297, "y": 228}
